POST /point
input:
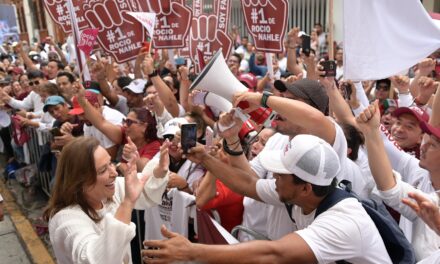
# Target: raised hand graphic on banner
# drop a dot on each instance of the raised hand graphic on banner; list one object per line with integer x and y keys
{"x": 209, "y": 31}
{"x": 173, "y": 22}
{"x": 59, "y": 13}
{"x": 119, "y": 33}
{"x": 266, "y": 21}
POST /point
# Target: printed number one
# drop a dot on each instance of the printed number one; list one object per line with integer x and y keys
{"x": 164, "y": 22}
{"x": 263, "y": 19}
{"x": 121, "y": 35}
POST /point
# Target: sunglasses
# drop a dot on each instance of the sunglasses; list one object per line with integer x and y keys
{"x": 129, "y": 122}
{"x": 34, "y": 83}
{"x": 169, "y": 137}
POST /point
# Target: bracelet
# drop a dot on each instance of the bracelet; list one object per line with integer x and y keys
{"x": 229, "y": 151}
{"x": 232, "y": 144}
{"x": 185, "y": 187}
{"x": 153, "y": 74}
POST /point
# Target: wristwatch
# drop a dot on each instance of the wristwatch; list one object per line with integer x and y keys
{"x": 153, "y": 74}
{"x": 264, "y": 98}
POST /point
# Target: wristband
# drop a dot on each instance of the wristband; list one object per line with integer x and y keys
{"x": 153, "y": 74}
{"x": 264, "y": 98}
{"x": 229, "y": 151}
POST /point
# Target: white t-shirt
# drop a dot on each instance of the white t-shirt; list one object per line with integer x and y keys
{"x": 174, "y": 213}
{"x": 31, "y": 101}
{"x": 343, "y": 232}
{"x": 424, "y": 240}
{"x": 113, "y": 116}
{"x": 274, "y": 220}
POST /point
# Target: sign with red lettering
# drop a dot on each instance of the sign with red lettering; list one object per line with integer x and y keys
{"x": 59, "y": 13}
{"x": 173, "y": 22}
{"x": 266, "y": 21}
{"x": 209, "y": 32}
{"x": 87, "y": 40}
{"x": 119, "y": 34}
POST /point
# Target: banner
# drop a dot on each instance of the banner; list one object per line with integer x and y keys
{"x": 87, "y": 40}
{"x": 8, "y": 24}
{"x": 59, "y": 13}
{"x": 266, "y": 21}
{"x": 148, "y": 20}
{"x": 120, "y": 34}
{"x": 209, "y": 32}
{"x": 381, "y": 40}
{"x": 173, "y": 22}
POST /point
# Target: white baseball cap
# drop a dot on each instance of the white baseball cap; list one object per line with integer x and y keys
{"x": 173, "y": 125}
{"x": 136, "y": 86}
{"x": 308, "y": 157}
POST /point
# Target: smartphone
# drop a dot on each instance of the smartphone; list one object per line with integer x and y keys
{"x": 56, "y": 132}
{"x": 188, "y": 136}
{"x": 180, "y": 61}
{"x": 209, "y": 135}
{"x": 306, "y": 44}
{"x": 329, "y": 68}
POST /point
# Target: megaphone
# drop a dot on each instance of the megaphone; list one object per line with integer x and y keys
{"x": 218, "y": 79}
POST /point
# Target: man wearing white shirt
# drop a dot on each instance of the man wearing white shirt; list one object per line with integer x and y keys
{"x": 305, "y": 175}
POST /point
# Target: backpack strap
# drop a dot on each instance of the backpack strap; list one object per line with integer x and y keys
{"x": 330, "y": 200}
{"x": 289, "y": 208}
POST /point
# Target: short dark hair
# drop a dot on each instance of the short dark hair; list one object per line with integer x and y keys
{"x": 32, "y": 74}
{"x": 355, "y": 139}
{"x": 320, "y": 191}
{"x": 123, "y": 81}
{"x": 60, "y": 65}
{"x": 69, "y": 76}
{"x": 238, "y": 56}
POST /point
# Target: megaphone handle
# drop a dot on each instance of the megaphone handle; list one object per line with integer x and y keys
{"x": 239, "y": 113}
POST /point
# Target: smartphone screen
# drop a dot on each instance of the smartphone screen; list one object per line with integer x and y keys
{"x": 306, "y": 44}
{"x": 329, "y": 68}
{"x": 188, "y": 136}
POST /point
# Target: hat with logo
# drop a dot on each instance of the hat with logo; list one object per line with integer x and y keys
{"x": 53, "y": 100}
{"x": 308, "y": 157}
{"x": 136, "y": 86}
{"x": 77, "y": 109}
{"x": 173, "y": 125}
{"x": 420, "y": 114}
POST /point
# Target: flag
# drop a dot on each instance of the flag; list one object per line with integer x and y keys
{"x": 385, "y": 37}
{"x": 148, "y": 20}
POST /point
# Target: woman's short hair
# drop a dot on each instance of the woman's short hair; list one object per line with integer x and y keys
{"x": 145, "y": 116}
{"x": 75, "y": 172}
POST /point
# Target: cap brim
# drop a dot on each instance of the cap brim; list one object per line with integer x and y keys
{"x": 280, "y": 86}
{"x": 405, "y": 110}
{"x": 76, "y": 111}
{"x": 271, "y": 161}
{"x": 428, "y": 129}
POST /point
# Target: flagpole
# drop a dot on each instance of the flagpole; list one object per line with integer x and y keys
{"x": 331, "y": 52}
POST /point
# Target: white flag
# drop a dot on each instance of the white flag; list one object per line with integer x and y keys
{"x": 385, "y": 37}
{"x": 148, "y": 20}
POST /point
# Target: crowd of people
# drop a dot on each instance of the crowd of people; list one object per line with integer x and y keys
{"x": 116, "y": 149}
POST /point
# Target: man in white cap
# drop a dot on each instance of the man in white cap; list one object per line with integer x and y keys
{"x": 305, "y": 174}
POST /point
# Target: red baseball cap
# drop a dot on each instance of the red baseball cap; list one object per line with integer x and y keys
{"x": 77, "y": 109}
{"x": 430, "y": 130}
{"x": 419, "y": 113}
{"x": 249, "y": 79}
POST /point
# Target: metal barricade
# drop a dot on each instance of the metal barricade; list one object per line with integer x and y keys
{"x": 36, "y": 143}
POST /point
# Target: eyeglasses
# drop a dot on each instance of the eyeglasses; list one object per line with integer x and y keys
{"x": 130, "y": 122}
{"x": 34, "y": 83}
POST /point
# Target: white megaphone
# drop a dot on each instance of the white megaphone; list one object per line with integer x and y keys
{"x": 218, "y": 79}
